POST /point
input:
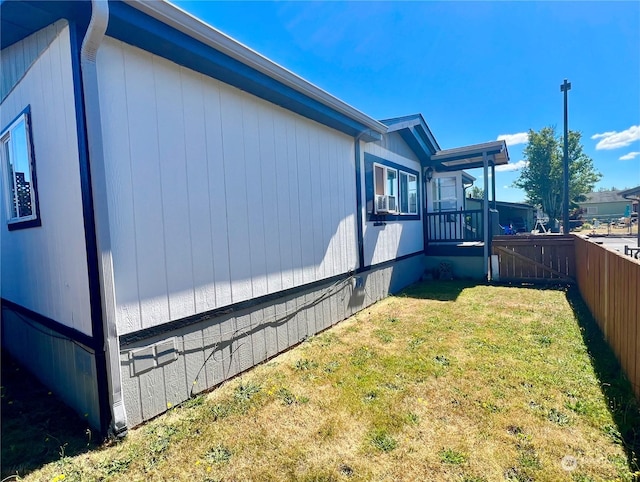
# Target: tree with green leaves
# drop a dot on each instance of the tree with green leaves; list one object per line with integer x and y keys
{"x": 476, "y": 192}
{"x": 542, "y": 177}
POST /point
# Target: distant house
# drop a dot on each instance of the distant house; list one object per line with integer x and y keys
{"x": 177, "y": 208}
{"x": 605, "y": 205}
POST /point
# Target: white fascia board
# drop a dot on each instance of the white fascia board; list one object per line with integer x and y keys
{"x": 186, "y": 23}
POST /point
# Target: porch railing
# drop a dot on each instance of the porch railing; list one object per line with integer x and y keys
{"x": 455, "y": 226}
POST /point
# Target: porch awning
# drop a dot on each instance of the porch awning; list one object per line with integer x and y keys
{"x": 471, "y": 157}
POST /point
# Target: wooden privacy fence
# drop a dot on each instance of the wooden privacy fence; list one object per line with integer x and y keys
{"x": 609, "y": 283}
{"x": 534, "y": 258}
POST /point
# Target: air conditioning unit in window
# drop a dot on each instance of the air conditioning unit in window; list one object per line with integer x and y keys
{"x": 385, "y": 204}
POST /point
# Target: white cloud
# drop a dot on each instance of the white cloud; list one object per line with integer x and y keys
{"x": 631, "y": 155}
{"x": 614, "y": 140}
{"x": 604, "y": 134}
{"x": 516, "y": 166}
{"x": 513, "y": 139}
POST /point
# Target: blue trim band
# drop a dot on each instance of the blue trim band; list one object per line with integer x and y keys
{"x": 49, "y": 323}
{"x": 369, "y": 160}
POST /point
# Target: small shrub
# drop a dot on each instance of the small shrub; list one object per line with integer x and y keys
{"x": 218, "y": 455}
{"x": 452, "y": 457}
{"x": 245, "y": 391}
{"x": 557, "y": 417}
{"x": 382, "y": 441}
{"x": 303, "y": 364}
{"x": 370, "y": 396}
{"x": 220, "y": 411}
{"x": 442, "y": 360}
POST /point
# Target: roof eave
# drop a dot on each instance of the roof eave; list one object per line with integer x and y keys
{"x": 186, "y": 23}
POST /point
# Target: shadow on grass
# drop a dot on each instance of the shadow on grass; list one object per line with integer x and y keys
{"x": 37, "y": 427}
{"x": 617, "y": 389}
{"x": 438, "y": 290}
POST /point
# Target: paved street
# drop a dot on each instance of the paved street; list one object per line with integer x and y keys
{"x": 616, "y": 242}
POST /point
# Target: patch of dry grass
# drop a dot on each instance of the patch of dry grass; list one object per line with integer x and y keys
{"x": 445, "y": 382}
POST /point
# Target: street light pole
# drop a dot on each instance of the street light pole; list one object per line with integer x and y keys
{"x": 566, "y": 87}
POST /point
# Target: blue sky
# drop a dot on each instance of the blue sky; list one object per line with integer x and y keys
{"x": 475, "y": 70}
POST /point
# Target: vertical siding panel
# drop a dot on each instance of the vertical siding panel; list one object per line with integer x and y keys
{"x": 175, "y": 384}
{"x": 194, "y": 361}
{"x": 307, "y": 224}
{"x": 228, "y": 358}
{"x": 283, "y": 186}
{"x": 292, "y": 322}
{"x": 317, "y": 170}
{"x": 130, "y": 391}
{"x": 122, "y": 224}
{"x": 174, "y": 188}
{"x": 258, "y": 337}
{"x": 49, "y": 246}
{"x": 236, "y": 192}
{"x": 334, "y": 217}
{"x": 258, "y": 241}
{"x": 281, "y": 326}
{"x": 198, "y": 182}
{"x": 212, "y": 354}
{"x": 270, "y": 330}
{"x": 147, "y": 199}
{"x": 296, "y": 228}
{"x": 217, "y": 190}
{"x": 152, "y": 396}
{"x": 244, "y": 342}
{"x": 270, "y": 193}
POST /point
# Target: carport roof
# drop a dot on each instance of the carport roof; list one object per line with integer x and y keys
{"x": 470, "y": 157}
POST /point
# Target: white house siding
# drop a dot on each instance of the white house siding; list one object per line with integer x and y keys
{"x": 16, "y": 59}
{"x": 215, "y": 196}
{"x": 44, "y": 268}
{"x": 395, "y": 238}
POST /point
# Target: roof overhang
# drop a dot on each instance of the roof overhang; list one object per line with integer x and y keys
{"x": 163, "y": 29}
{"x": 416, "y": 133}
{"x": 633, "y": 193}
{"x": 471, "y": 157}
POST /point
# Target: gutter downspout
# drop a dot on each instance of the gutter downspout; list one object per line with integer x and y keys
{"x": 88, "y": 54}
{"x": 359, "y": 228}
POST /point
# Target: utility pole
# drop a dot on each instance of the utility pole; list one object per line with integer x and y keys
{"x": 566, "y": 87}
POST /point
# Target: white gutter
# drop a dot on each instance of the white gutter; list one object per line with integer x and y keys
{"x": 90, "y": 44}
{"x": 186, "y": 23}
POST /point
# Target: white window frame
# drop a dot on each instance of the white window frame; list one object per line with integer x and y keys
{"x": 437, "y": 201}
{"x": 592, "y": 209}
{"x": 410, "y": 178}
{"x": 392, "y": 199}
{"x": 393, "y": 205}
{"x": 7, "y": 158}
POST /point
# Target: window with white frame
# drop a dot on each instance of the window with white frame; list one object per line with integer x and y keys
{"x": 592, "y": 209}
{"x": 408, "y": 193}
{"x": 396, "y": 191}
{"x": 386, "y": 189}
{"x": 444, "y": 194}
{"x": 18, "y": 169}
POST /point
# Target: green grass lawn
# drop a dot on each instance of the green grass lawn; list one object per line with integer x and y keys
{"x": 447, "y": 381}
